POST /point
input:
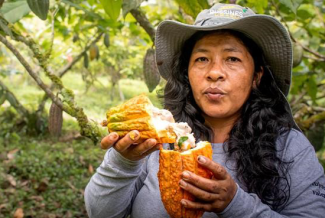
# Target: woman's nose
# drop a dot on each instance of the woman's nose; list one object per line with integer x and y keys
{"x": 215, "y": 72}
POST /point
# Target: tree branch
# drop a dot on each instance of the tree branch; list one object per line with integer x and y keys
{"x": 13, "y": 100}
{"x": 306, "y": 124}
{"x": 144, "y": 22}
{"x": 78, "y": 57}
{"x": 31, "y": 72}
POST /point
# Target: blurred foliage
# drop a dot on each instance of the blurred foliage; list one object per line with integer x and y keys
{"x": 112, "y": 70}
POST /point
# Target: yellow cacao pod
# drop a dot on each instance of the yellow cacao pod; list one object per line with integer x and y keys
{"x": 138, "y": 113}
{"x": 171, "y": 165}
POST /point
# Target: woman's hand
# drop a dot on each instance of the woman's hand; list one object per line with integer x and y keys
{"x": 214, "y": 194}
{"x": 127, "y": 146}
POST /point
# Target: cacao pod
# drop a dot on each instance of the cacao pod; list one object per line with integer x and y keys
{"x": 55, "y": 120}
{"x": 39, "y": 7}
{"x": 106, "y": 40}
{"x": 298, "y": 52}
{"x": 2, "y": 97}
{"x": 93, "y": 52}
{"x": 150, "y": 70}
{"x": 86, "y": 61}
{"x": 171, "y": 165}
{"x": 138, "y": 113}
{"x": 75, "y": 38}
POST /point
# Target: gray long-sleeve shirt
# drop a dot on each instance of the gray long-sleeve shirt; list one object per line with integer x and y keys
{"x": 121, "y": 187}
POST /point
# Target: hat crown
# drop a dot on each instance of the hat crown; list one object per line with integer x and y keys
{"x": 222, "y": 13}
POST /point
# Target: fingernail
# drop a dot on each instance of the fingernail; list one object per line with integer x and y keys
{"x": 182, "y": 183}
{"x": 186, "y": 175}
{"x": 113, "y": 136}
{"x": 133, "y": 135}
{"x": 183, "y": 202}
{"x": 152, "y": 142}
{"x": 201, "y": 159}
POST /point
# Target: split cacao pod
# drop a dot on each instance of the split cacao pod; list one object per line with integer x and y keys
{"x": 55, "y": 120}
{"x": 138, "y": 113}
{"x": 39, "y": 7}
{"x": 150, "y": 70}
{"x": 171, "y": 165}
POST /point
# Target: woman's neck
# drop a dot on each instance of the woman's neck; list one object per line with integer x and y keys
{"x": 221, "y": 128}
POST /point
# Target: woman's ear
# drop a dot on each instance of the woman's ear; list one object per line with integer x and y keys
{"x": 257, "y": 77}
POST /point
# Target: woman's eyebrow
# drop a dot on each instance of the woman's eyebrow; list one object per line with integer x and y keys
{"x": 232, "y": 49}
{"x": 200, "y": 50}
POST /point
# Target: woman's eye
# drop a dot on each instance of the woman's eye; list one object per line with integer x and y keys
{"x": 201, "y": 59}
{"x": 233, "y": 59}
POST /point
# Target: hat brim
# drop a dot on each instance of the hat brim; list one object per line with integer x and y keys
{"x": 264, "y": 30}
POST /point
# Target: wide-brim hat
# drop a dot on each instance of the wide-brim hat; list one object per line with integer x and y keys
{"x": 266, "y": 31}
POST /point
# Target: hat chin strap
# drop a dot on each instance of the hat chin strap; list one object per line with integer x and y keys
{"x": 287, "y": 105}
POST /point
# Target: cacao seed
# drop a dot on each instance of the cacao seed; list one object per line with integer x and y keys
{"x": 150, "y": 70}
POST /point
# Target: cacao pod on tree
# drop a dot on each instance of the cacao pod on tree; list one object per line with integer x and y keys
{"x": 86, "y": 61}
{"x": 298, "y": 52}
{"x": 93, "y": 52}
{"x": 55, "y": 120}
{"x": 2, "y": 96}
{"x": 39, "y": 7}
{"x": 106, "y": 40}
{"x": 150, "y": 70}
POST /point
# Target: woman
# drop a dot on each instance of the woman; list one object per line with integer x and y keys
{"x": 227, "y": 76}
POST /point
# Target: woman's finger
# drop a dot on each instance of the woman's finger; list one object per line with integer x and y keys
{"x": 219, "y": 172}
{"x": 125, "y": 142}
{"x": 109, "y": 140}
{"x": 144, "y": 147}
{"x": 197, "y": 192}
{"x": 201, "y": 182}
{"x": 154, "y": 148}
{"x": 196, "y": 205}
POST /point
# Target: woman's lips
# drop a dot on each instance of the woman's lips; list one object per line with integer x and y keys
{"x": 214, "y": 94}
{"x": 214, "y": 97}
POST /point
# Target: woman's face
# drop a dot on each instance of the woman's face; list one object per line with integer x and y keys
{"x": 221, "y": 73}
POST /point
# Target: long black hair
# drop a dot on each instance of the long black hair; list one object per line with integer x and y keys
{"x": 252, "y": 140}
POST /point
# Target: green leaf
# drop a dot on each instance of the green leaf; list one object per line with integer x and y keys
{"x": 292, "y": 4}
{"x": 193, "y": 7}
{"x": 92, "y": 14}
{"x": 258, "y": 5}
{"x": 127, "y": 6}
{"x": 182, "y": 140}
{"x": 91, "y": 2}
{"x": 306, "y": 11}
{"x": 39, "y": 7}
{"x": 112, "y": 8}
{"x": 5, "y": 28}
{"x": 14, "y": 10}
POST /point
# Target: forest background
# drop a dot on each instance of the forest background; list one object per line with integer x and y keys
{"x": 65, "y": 62}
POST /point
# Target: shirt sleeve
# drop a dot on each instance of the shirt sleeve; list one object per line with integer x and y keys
{"x": 112, "y": 189}
{"x": 307, "y": 186}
